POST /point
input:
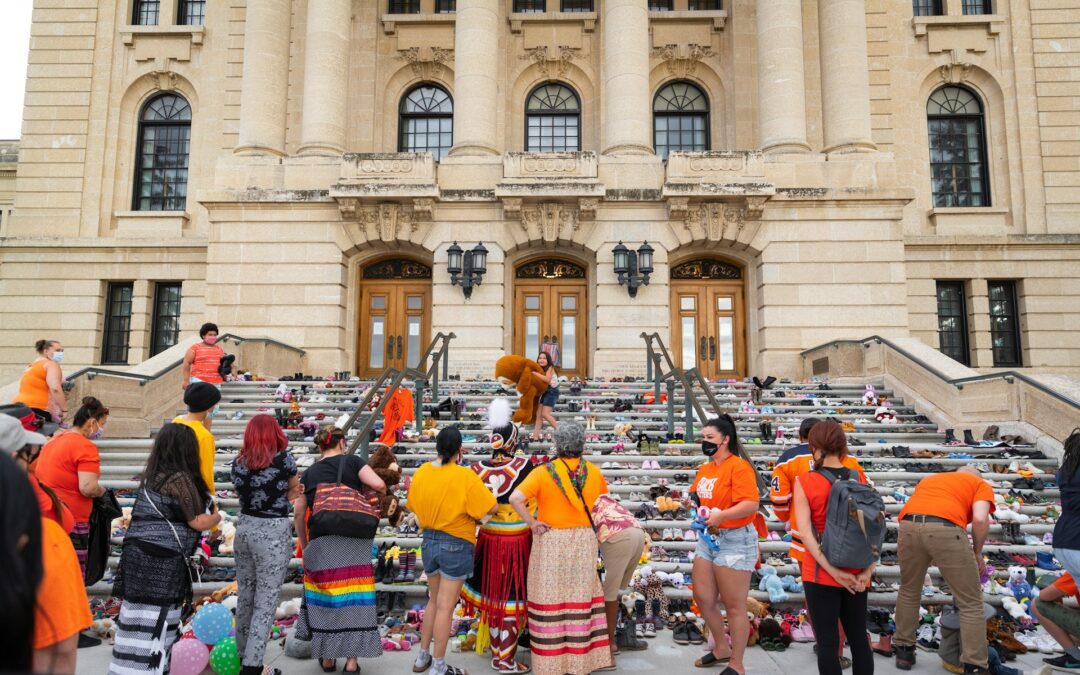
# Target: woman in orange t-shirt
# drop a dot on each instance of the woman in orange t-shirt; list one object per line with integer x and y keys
{"x": 727, "y": 485}
{"x": 70, "y": 466}
{"x": 41, "y": 386}
{"x": 834, "y": 596}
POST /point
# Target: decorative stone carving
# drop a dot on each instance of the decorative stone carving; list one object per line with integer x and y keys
{"x": 587, "y": 208}
{"x": 388, "y": 222}
{"x": 425, "y": 60}
{"x": 380, "y": 175}
{"x": 511, "y": 208}
{"x": 551, "y": 222}
{"x": 164, "y": 80}
{"x": 553, "y": 63}
{"x": 681, "y": 60}
{"x": 725, "y": 166}
{"x": 721, "y": 221}
{"x": 678, "y": 208}
{"x": 955, "y": 73}
{"x": 549, "y": 165}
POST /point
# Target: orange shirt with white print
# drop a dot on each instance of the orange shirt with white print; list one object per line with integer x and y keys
{"x": 797, "y": 461}
{"x": 721, "y": 486}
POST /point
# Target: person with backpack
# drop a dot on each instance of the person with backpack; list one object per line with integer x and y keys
{"x": 841, "y": 550}
{"x": 933, "y": 527}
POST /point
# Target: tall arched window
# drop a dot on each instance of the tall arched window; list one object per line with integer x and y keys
{"x": 680, "y": 119}
{"x": 161, "y": 162}
{"x": 427, "y": 121}
{"x": 958, "y": 167}
{"x": 552, "y": 119}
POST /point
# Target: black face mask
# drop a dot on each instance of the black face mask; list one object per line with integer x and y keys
{"x": 709, "y": 448}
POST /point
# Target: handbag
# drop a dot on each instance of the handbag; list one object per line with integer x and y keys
{"x": 106, "y": 509}
{"x": 344, "y": 511}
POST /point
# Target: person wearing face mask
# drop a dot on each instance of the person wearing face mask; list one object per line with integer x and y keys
{"x": 41, "y": 386}
{"x": 727, "y": 485}
{"x": 69, "y": 464}
{"x": 448, "y": 500}
{"x": 202, "y": 363}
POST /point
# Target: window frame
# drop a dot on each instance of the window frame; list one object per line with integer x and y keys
{"x": 108, "y": 331}
{"x": 183, "y": 17}
{"x": 553, "y": 113}
{"x": 697, "y": 5}
{"x": 410, "y": 6}
{"x": 142, "y": 124}
{"x": 962, "y": 328}
{"x": 707, "y": 114}
{"x": 987, "y": 7}
{"x": 446, "y": 6}
{"x": 156, "y": 330}
{"x": 530, "y": 6}
{"x": 1014, "y": 301}
{"x": 403, "y": 117}
{"x": 928, "y": 7}
{"x": 661, "y": 5}
{"x": 576, "y": 6}
{"x": 984, "y": 153}
{"x": 141, "y": 7}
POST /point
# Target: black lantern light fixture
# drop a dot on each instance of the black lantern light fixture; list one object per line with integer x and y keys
{"x": 466, "y": 268}
{"x": 633, "y": 267}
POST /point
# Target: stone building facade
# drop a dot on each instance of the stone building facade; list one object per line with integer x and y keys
{"x": 804, "y": 170}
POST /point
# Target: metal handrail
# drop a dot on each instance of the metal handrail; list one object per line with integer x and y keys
{"x": 958, "y": 382}
{"x": 92, "y": 371}
{"x": 656, "y": 351}
{"x": 390, "y": 380}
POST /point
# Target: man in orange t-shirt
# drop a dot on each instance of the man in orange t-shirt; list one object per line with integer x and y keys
{"x": 1063, "y": 623}
{"x": 933, "y": 530}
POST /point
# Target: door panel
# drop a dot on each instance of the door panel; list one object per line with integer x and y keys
{"x": 708, "y": 327}
{"x": 552, "y": 310}
{"x": 395, "y": 325}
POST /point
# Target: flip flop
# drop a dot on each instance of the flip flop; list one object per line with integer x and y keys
{"x": 710, "y": 660}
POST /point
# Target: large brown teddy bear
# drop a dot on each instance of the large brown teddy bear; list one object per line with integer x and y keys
{"x": 517, "y": 372}
{"x": 385, "y": 465}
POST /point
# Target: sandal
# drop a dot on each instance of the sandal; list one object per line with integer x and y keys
{"x": 454, "y": 670}
{"x": 331, "y": 668}
{"x": 503, "y": 667}
{"x": 680, "y": 634}
{"x": 710, "y": 660}
{"x": 421, "y": 667}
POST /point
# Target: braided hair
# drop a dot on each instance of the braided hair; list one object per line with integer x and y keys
{"x": 1071, "y": 461}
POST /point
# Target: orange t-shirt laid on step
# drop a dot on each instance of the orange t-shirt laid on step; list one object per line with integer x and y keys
{"x": 721, "y": 486}
{"x": 949, "y": 496}
{"x": 560, "y": 510}
{"x": 58, "y": 467}
{"x": 62, "y": 608}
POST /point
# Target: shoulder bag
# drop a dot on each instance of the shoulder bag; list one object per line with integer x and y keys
{"x": 344, "y": 511}
{"x": 558, "y": 482}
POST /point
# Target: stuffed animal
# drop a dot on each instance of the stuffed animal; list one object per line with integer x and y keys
{"x": 385, "y": 464}
{"x": 517, "y": 372}
{"x": 1015, "y": 609}
{"x": 225, "y": 591}
{"x": 885, "y": 415}
{"x": 770, "y": 582}
{"x": 120, "y": 525}
{"x": 624, "y": 429}
{"x": 287, "y": 609}
{"x": 228, "y": 537}
{"x": 791, "y": 584}
{"x": 869, "y": 397}
{"x": 1022, "y": 591}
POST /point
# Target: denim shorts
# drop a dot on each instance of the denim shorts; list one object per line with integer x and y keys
{"x": 737, "y": 550}
{"x": 446, "y": 555}
{"x": 213, "y": 412}
{"x": 550, "y": 397}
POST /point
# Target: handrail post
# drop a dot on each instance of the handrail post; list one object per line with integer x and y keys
{"x": 445, "y": 360}
{"x": 688, "y": 413}
{"x": 418, "y": 402}
{"x": 671, "y": 408}
{"x": 656, "y": 376}
{"x": 648, "y": 361}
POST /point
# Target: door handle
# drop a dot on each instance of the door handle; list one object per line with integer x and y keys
{"x": 702, "y": 347}
{"x": 712, "y": 348}
{"x": 390, "y": 347}
{"x": 399, "y": 346}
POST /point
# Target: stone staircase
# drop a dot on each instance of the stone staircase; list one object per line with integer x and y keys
{"x": 621, "y": 460}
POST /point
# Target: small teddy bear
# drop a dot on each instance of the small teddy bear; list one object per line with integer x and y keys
{"x": 1021, "y": 589}
{"x": 384, "y": 462}
{"x": 771, "y": 582}
{"x": 228, "y": 537}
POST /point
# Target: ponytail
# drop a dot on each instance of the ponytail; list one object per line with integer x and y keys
{"x": 91, "y": 409}
{"x": 726, "y": 426}
{"x": 328, "y": 437}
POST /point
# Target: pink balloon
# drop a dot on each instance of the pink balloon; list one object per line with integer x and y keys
{"x": 189, "y": 657}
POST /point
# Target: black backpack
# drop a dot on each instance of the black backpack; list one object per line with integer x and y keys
{"x": 854, "y": 523}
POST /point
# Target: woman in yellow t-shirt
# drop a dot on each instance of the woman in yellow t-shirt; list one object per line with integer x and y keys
{"x": 567, "y": 619}
{"x": 448, "y": 500}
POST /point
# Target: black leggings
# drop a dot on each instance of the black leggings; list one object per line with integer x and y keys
{"x": 827, "y": 605}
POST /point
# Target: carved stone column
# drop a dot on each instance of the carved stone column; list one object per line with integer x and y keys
{"x": 627, "y": 128}
{"x": 264, "y": 89}
{"x": 781, "y": 86}
{"x": 476, "y": 47}
{"x": 845, "y": 76}
{"x": 326, "y": 79}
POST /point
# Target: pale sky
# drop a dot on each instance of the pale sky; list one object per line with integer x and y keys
{"x": 14, "y": 46}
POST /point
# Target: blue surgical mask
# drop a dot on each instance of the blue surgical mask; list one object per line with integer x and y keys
{"x": 58, "y": 357}
{"x": 95, "y": 435}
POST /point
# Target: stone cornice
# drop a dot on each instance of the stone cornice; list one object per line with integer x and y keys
{"x": 993, "y": 241}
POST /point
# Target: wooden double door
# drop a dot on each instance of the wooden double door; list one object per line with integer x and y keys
{"x": 395, "y": 319}
{"x": 708, "y": 327}
{"x": 551, "y": 306}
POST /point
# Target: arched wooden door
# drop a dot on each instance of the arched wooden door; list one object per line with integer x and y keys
{"x": 708, "y": 318}
{"x": 395, "y": 315}
{"x": 551, "y": 313}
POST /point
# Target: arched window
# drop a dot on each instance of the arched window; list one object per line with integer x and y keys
{"x": 161, "y": 162}
{"x": 427, "y": 121}
{"x": 958, "y": 167}
{"x": 552, "y": 119}
{"x": 680, "y": 119}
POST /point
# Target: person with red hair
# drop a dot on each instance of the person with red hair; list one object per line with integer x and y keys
{"x": 266, "y": 481}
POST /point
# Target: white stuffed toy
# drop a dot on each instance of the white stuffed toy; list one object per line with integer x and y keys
{"x": 885, "y": 415}
{"x": 287, "y": 609}
{"x": 869, "y": 397}
{"x": 228, "y": 538}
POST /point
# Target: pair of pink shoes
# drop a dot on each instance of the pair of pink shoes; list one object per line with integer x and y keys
{"x": 650, "y": 464}
{"x": 395, "y": 645}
